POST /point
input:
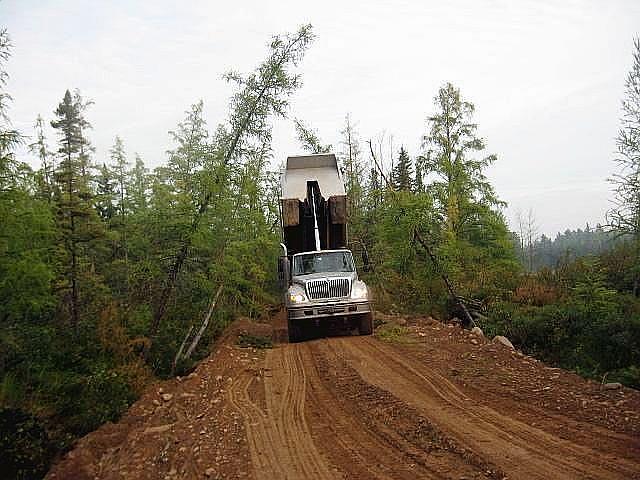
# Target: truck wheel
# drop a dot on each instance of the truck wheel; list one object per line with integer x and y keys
{"x": 295, "y": 333}
{"x": 366, "y": 324}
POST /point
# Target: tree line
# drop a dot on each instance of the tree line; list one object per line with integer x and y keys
{"x": 538, "y": 252}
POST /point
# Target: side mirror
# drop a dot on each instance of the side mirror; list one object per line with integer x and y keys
{"x": 284, "y": 274}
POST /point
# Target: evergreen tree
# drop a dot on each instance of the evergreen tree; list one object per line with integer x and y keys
{"x": 41, "y": 149}
{"x": 9, "y": 137}
{"x": 473, "y": 242}
{"x": 76, "y": 216}
{"x": 138, "y": 186}
{"x": 403, "y": 172}
{"x": 120, "y": 168}
{"x": 105, "y": 194}
{"x": 461, "y": 189}
{"x": 374, "y": 189}
{"x": 624, "y": 218}
{"x": 26, "y": 232}
{"x": 85, "y": 149}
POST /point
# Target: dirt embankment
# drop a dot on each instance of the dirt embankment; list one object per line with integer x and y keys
{"x": 434, "y": 402}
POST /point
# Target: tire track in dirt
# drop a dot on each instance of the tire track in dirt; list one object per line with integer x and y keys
{"x": 374, "y": 434}
{"x": 522, "y": 451}
{"x": 279, "y": 438}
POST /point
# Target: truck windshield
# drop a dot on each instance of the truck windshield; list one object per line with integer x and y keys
{"x": 323, "y": 262}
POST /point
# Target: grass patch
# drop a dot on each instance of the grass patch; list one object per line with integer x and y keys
{"x": 393, "y": 333}
{"x": 246, "y": 340}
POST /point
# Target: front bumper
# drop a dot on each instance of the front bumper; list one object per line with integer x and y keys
{"x": 322, "y": 310}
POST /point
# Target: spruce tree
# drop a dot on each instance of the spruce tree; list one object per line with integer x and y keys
{"x": 105, "y": 194}
{"x": 471, "y": 236}
{"x": 76, "y": 216}
{"x": 403, "y": 172}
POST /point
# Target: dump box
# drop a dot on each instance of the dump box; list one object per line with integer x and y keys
{"x": 305, "y": 180}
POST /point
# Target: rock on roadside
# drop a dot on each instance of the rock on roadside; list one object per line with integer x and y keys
{"x": 477, "y": 331}
{"x": 612, "y": 386}
{"x": 504, "y": 341}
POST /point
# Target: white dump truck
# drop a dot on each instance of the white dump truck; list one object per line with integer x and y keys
{"x": 316, "y": 269}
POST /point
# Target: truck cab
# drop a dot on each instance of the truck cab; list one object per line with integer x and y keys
{"x": 317, "y": 271}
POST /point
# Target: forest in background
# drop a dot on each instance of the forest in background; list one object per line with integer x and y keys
{"x": 107, "y": 268}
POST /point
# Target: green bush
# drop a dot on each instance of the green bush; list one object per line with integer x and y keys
{"x": 594, "y": 329}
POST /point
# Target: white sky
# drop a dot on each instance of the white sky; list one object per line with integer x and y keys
{"x": 546, "y": 77}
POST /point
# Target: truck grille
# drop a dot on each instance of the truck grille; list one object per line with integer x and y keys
{"x": 329, "y": 288}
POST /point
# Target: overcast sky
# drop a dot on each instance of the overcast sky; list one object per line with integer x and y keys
{"x": 546, "y": 77}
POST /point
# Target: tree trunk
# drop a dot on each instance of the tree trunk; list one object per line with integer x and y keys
{"x": 72, "y": 245}
{"x": 456, "y": 298}
{"x": 176, "y": 359}
{"x": 204, "y": 325}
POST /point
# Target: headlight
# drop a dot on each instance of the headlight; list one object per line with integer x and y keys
{"x": 359, "y": 290}
{"x": 296, "y": 294}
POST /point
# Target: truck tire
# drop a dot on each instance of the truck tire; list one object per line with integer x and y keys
{"x": 295, "y": 332}
{"x": 366, "y": 324}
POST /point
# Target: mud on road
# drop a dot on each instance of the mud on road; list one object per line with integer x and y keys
{"x": 434, "y": 403}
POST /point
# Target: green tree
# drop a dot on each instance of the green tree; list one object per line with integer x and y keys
{"x": 461, "y": 189}
{"x": 419, "y": 177}
{"x": 353, "y": 172}
{"x": 120, "y": 168}
{"x": 309, "y": 139}
{"x": 76, "y": 217}
{"x": 138, "y": 186}
{"x": 624, "y": 217}
{"x": 25, "y": 230}
{"x": 403, "y": 172}
{"x": 261, "y": 94}
{"x": 10, "y": 138}
{"x": 474, "y": 244}
{"x": 352, "y": 167}
{"x": 85, "y": 149}
{"x": 41, "y": 149}
{"x": 105, "y": 194}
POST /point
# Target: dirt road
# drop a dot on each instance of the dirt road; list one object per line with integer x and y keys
{"x": 433, "y": 403}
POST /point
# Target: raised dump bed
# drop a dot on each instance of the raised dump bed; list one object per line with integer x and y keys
{"x": 307, "y": 179}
